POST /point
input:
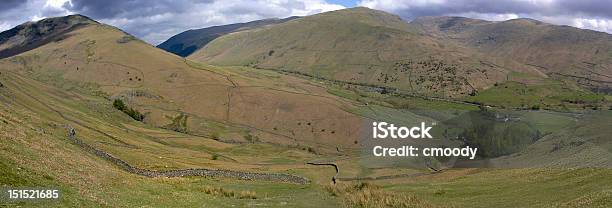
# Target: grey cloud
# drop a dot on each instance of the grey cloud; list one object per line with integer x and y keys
{"x": 156, "y": 20}
{"x": 463, "y": 6}
{"x": 10, "y": 4}
{"x": 14, "y": 12}
{"x": 253, "y": 7}
{"x": 591, "y": 8}
{"x": 128, "y": 8}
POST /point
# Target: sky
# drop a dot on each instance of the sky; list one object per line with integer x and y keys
{"x": 157, "y": 20}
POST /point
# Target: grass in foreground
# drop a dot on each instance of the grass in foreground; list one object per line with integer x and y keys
{"x": 513, "y": 188}
{"x": 366, "y": 195}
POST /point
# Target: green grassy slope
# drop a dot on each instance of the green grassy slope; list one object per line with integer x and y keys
{"x": 36, "y": 152}
{"x": 513, "y": 188}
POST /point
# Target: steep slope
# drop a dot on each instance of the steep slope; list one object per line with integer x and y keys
{"x": 220, "y": 104}
{"x": 185, "y": 43}
{"x": 31, "y": 35}
{"x": 365, "y": 46}
{"x": 558, "y": 51}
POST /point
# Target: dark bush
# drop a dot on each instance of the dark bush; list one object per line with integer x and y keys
{"x": 119, "y": 105}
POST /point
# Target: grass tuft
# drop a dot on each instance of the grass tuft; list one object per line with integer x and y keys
{"x": 365, "y": 195}
{"x": 221, "y": 192}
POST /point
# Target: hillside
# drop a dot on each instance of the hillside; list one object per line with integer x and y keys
{"x": 36, "y": 115}
{"x": 517, "y": 64}
{"x": 185, "y": 43}
{"x": 211, "y": 102}
{"x": 195, "y": 116}
{"x": 363, "y": 46}
{"x": 557, "y": 51}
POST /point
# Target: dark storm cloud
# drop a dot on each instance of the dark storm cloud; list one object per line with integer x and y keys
{"x": 10, "y": 4}
{"x": 128, "y": 8}
{"x": 155, "y": 21}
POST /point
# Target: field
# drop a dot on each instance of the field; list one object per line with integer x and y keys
{"x": 546, "y": 94}
{"x": 34, "y": 153}
{"x": 274, "y": 123}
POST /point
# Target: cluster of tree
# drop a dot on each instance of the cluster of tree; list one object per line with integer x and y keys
{"x": 119, "y": 105}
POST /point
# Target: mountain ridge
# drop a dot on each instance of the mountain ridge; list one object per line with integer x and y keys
{"x": 30, "y": 35}
{"x": 364, "y": 46}
{"x": 185, "y": 43}
{"x": 553, "y": 49}
{"x": 484, "y": 52}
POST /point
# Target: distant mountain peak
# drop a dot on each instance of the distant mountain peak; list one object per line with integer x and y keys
{"x": 355, "y": 11}
{"x": 185, "y": 43}
{"x": 72, "y": 19}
